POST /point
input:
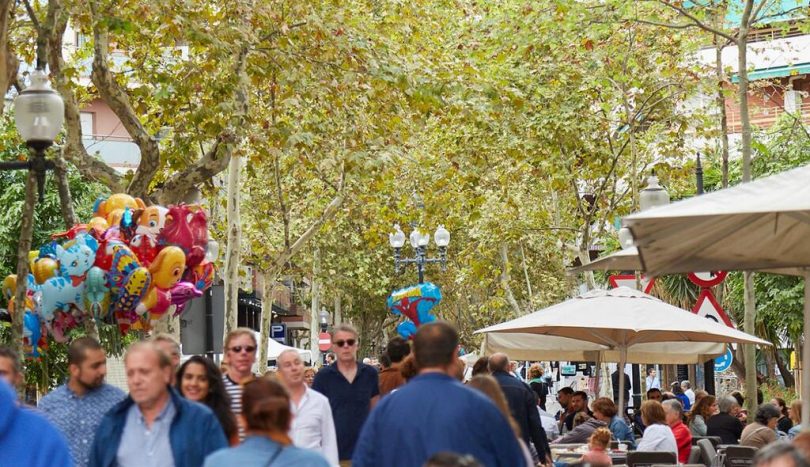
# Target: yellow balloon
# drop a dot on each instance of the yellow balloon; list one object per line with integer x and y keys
{"x": 44, "y": 269}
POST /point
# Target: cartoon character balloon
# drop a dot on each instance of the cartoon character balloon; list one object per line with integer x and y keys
{"x": 415, "y": 303}
{"x": 129, "y": 262}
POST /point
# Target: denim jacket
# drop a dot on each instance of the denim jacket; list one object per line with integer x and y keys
{"x": 622, "y": 432}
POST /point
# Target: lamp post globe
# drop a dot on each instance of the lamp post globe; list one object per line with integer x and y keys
{"x": 653, "y": 195}
{"x": 441, "y": 237}
{"x": 39, "y": 112}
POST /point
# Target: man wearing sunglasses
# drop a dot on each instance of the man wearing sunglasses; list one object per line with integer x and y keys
{"x": 240, "y": 354}
{"x": 351, "y": 387}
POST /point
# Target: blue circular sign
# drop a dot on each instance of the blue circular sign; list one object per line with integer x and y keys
{"x": 723, "y": 362}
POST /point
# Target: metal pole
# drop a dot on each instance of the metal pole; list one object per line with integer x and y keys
{"x": 209, "y": 323}
{"x": 708, "y": 367}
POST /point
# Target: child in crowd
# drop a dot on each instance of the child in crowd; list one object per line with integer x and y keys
{"x": 598, "y": 444}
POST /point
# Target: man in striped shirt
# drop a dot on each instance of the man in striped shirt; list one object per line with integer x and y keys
{"x": 240, "y": 354}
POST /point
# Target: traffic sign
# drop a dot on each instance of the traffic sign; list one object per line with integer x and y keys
{"x": 708, "y": 307}
{"x": 723, "y": 362}
{"x": 629, "y": 280}
{"x": 324, "y": 341}
{"x": 707, "y": 279}
{"x": 278, "y": 331}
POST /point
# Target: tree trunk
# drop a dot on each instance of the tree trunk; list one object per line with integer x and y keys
{"x": 721, "y": 107}
{"x": 787, "y": 375}
{"x": 233, "y": 249}
{"x": 745, "y": 120}
{"x": 526, "y": 275}
{"x": 314, "y": 324}
{"x": 268, "y": 281}
{"x": 26, "y": 237}
{"x": 585, "y": 258}
{"x": 9, "y": 63}
{"x": 337, "y": 316}
{"x": 505, "y": 279}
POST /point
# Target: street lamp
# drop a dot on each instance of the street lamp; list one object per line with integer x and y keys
{"x": 653, "y": 195}
{"x": 419, "y": 242}
{"x": 324, "y": 319}
{"x": 39, "y": 112}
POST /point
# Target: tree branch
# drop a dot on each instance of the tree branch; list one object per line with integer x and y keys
{"x": 115, "y": 96}
{"x": 696, "y": 20}
{"x": 74, "y": 150}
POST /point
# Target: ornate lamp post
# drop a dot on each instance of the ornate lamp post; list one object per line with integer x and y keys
{"x": 324, "y": 319}
{"x": 419, "y": 242}
{"x": 39, "y": 113}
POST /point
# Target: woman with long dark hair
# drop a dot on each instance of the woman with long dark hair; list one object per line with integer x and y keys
{"x": 266, "y": 409}
{"x": 704, "y": 409}
{"x": 199, "y": 380}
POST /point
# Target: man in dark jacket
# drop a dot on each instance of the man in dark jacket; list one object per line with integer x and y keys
{"x": 522, "y": 404}
{"x": 154, "y": 425}
{"x": 725, "y": 424}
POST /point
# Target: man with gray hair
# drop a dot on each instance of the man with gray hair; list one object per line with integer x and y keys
{"x": 781, "y": 454}
{"x": 522, "y": 404}
{"x": 683, "y": 437}
{"x": 169, "y": 345}
{"x": 312, "y": 425}
{"x": 725, "y": 424}
{"x": 154, "y": 425}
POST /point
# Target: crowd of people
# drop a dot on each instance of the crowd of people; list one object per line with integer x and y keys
{"x": 414, "y": 409}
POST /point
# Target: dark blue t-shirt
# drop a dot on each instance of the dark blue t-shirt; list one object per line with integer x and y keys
{"x": 350, "y": 402}
{"x": 431, "y": 414}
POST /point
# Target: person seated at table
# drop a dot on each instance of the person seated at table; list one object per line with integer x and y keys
{"x": 785, "y": 424}
{"x": 582, "y": 430}
{"x": 725, "y": 424}
{"x": 605, "y": 410}
{"x": 598, "y": 443}
{"x": 683, "y": 438}
{"x": 763, "y": 430}
{"x": 658, "y": 436}
{"x": 701, "y": 412}
{"x": 682, "y": 398}
{"x": 653, "y": 394}
{"x": 579, "y": 403}
{"x": 780, "y": 454}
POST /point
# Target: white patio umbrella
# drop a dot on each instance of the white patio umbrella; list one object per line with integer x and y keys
{"x": 760, "y": 225}
{"x": 621, "y": 319}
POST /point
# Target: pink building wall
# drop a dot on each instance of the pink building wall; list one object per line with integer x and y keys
{"x": 105, "y": 123}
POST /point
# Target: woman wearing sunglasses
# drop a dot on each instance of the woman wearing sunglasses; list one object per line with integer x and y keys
{"x": 199, "y": 380}
{"x": 240, "y": 355}
{"x": 267, "y": 417}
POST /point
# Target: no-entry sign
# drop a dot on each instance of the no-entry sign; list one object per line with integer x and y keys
{"x": 324, "y": 341}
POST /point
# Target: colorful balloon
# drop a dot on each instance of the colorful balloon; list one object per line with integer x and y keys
{"x": 67, "y": 287}
{"x": 166, "y": 271}
{"x": 415, "y": 302}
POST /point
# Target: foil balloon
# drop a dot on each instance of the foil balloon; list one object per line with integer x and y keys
{"x": 181, "y": 293}
{"x": 151, "y": 220}
{"x": 112, "y": 208}
{"x": 44, "y": 269}
{"x": 75, "y": 259}
{"x": 32, "y": 334}
{"x": 128, "y": 281}
{"x": 96, "y": 293}
{"x": 166, "y": 271}
{"x": 415, "y": 302}
{"x": 406, "y": 329}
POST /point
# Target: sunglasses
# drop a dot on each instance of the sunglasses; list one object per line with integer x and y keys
{"x": 348, "y": 343}
{"x": 239, "y": 348}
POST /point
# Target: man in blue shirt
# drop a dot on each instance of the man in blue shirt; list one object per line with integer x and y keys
{"x": 435, "y": 413}
{"x": 76, "y": 408}
{"x": 351, "y": 387}
{"x": 154, "y": 426}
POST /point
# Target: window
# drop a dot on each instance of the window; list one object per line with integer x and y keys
{"x": 88, "y": 120}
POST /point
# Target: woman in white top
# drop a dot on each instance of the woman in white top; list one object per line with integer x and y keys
{"x": 657, "y": 436}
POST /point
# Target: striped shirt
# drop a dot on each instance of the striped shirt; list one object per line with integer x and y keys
{"x": 234, "y": 391}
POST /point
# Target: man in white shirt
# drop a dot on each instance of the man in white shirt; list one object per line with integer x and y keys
{"x": 312, "y": 424}
{"x": 652, "y": 379}
{"x": 687, "y": 390}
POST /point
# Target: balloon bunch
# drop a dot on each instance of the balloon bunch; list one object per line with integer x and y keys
{"x": 415, "y": 303}
{"x": 130, "y": 264}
